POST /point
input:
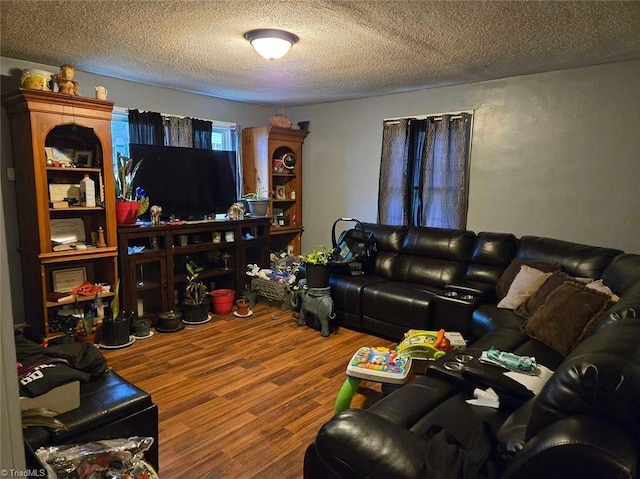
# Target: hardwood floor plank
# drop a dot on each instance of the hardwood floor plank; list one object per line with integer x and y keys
{"x": 241, "y": 397}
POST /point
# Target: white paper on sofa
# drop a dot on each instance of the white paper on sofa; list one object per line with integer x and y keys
{"x": 486, "y": 398}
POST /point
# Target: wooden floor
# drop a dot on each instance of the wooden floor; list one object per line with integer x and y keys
{"x": 241, "y": 398}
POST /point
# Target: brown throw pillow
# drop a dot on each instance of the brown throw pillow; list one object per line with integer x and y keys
{"x": 538, "y": 298}
{"x": 510, "y": 272}
{"x": 566, "y": 316}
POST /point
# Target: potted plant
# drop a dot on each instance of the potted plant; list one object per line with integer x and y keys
{"x": 258, "y": 202}
{"x": 317, "y": 267}
{"x": 195, "y": 305}
{"x": 130, "y": 202}
{"x": 116, "y": 326}
{"x": 86, "y": 331}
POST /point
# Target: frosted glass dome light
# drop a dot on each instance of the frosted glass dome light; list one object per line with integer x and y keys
{"x": 271, "y": 44}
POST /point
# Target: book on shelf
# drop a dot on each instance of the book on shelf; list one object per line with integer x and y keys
{"x": 56, "y": 297}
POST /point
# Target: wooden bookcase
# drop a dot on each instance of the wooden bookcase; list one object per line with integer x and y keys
{"x": 261, "y": 147}
{"x": 41, "y": 119}
{"x": 153, "y": 258}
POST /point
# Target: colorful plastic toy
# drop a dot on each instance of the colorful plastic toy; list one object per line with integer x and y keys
{"x": 425, "y": 344}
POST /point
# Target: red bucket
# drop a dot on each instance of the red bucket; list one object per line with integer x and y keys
{"x": 222, "y": 300}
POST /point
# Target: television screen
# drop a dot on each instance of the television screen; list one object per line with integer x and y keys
{"x": 186, "y": 182}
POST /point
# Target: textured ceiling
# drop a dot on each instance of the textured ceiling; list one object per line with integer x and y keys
{"x": 347, "y": 49}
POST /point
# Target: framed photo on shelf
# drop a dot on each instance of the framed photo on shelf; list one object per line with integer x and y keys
{"x": 64, "y": 280}
{"x": 83, "y": 159}
{"x": 280, "y": 193}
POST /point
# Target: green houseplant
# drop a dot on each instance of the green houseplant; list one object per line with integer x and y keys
{"x": 130, "y": 202}
{"x": 195, "y": 305}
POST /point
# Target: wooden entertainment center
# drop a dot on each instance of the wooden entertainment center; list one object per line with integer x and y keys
{"x": 153, "y": 258}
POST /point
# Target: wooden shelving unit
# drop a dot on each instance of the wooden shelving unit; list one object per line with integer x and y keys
{"x": 41, "y": 119}
{"x": 154, "y": 274}
{"x": 261, "y": 147}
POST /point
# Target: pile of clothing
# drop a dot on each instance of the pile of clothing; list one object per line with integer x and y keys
{"x": 41, "y": 369}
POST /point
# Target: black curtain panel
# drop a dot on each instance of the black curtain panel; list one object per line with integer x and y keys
{"x": 146, "y": 127}
{"x": 202, "y": 133}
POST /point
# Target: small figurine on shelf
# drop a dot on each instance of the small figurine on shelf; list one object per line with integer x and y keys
{"x": 294, "y": 220}
{"x": 101, "y": 241}
{"x": 156, "y": 211}
{"x": 65, "y": 81}
{"x": 236, "y": 211}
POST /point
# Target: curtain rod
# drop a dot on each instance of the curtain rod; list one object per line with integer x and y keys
{"x": 435, "y": 116}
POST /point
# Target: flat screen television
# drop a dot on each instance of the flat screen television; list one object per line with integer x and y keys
{"x": 187, "y": 183}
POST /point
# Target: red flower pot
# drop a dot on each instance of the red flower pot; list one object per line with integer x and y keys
{"x": 127, "y": 212}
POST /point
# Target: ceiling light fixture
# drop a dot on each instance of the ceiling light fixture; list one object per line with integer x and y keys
{"x": 270, "y": 43}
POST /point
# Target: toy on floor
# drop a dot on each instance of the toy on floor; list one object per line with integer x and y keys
{"x": 377, "y": 364}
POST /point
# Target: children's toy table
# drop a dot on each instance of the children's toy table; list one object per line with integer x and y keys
{"x": 377, "y": 364}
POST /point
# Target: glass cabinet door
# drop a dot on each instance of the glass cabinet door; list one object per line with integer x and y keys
{"x": 150, "y": 283}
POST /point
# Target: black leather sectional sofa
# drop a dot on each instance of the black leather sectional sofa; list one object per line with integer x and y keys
{"x": 585, "y": 422}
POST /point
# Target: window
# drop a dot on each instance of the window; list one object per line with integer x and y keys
{"x": 424, "y": 171}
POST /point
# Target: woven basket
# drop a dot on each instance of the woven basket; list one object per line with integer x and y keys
{"x": 280, "y": 119}
{"x": 272, "y": 293}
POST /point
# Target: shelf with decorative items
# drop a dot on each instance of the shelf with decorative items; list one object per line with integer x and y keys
{"x": 62, "y": 160}
{"x": 159, "y": 255}
{"x": 272, "y": 161}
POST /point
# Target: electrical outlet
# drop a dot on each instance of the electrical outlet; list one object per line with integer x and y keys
{"x": 11, "y": 173}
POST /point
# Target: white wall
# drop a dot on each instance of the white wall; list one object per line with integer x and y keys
{"x": 553, "y": 154}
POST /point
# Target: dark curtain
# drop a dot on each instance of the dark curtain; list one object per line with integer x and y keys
{"x": 424, "y": 172}
{"x": 392, "y": 189}
{"x": 202, "y": 133}
{"x": 445, "y": 172}
{"x": 146, "y": 128}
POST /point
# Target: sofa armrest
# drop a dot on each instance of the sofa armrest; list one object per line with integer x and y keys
{"x": 511, "y": 393}
{"x": 357, "y": 444}
{"x": 577, "y": 446}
